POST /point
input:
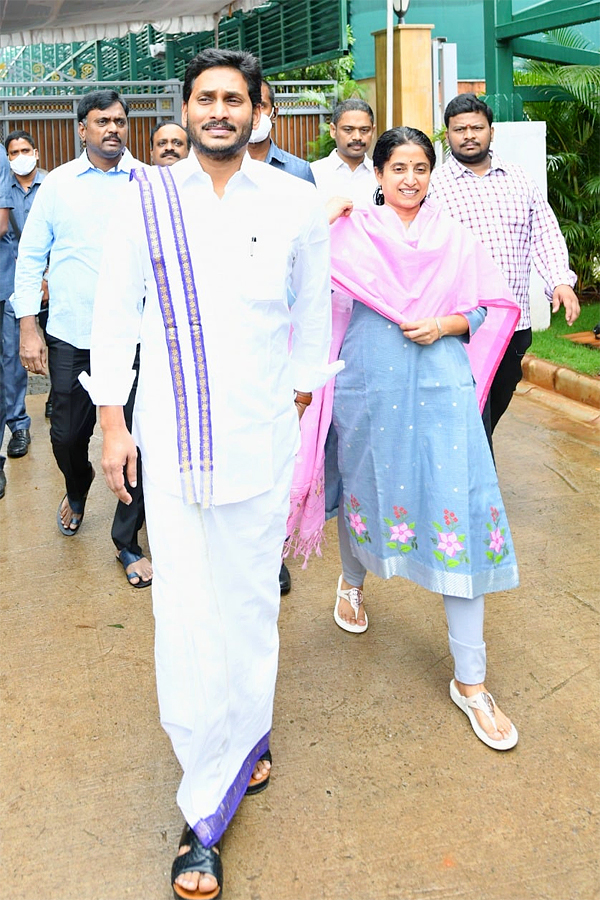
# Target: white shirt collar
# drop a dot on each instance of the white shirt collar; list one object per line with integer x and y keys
{"x": 126, "y": 163}
{"x": 191, "y": 167}
{"x": 339, "y": 163}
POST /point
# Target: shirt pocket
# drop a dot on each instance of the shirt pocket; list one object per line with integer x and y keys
{"x": 265, "y": 268}
{"x": 513, "y": 209}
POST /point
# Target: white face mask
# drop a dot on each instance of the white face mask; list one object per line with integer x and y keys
{"x": 23, "y": 164}
{"x": 263, "y": 131}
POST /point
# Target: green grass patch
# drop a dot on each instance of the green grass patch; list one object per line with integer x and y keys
{"x": 552, "y": 346}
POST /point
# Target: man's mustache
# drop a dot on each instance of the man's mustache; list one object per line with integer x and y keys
{"x": 215, "y": 123}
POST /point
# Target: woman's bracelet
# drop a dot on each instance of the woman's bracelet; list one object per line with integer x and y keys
{"x": 303, "y": 398}
{"x": 439, "y": 328}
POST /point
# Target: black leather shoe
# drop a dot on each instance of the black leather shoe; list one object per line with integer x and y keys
{"x": 19, "y": 443}
{"x": 2, "y": 483}
{"x": 285, "y": 580}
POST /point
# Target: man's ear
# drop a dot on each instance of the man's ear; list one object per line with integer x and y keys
{"x": 492, "y": 133}
{"x": 332, "y": 130}
{"x": 256, "y": 114}
{"x": 184, "y": 114}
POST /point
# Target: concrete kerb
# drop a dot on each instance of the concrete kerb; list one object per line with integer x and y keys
{"x": 577, "y": 394}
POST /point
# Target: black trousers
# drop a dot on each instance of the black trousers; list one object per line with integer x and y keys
{"x": 505, "y": 380}
{"x": 72, "y": 425}
{"x": 129, "y": 519}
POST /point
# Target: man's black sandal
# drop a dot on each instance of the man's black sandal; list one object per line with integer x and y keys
{"x": 197, "y": 859}
{"x": 77, "y": 508}
{"x": 255, "y": 787}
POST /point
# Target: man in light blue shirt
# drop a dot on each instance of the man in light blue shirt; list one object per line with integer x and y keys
{"x": 263, "y": 148}
{"x": 7, "y": 269}
{"x": 68, "y": 223}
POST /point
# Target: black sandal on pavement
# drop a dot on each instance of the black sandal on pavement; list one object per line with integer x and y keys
{"x": 197, "y": 859}
{"x": 127, "y": 558}
{"x": 77, "y": 508}
{"x": 258, "y": 785}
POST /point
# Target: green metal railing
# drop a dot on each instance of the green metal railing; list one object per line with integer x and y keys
{"x": 286, "y": 34}
{"x": 508, "y": 35}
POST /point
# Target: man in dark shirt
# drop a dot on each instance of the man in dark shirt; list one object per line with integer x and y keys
{"x": 7, "y": 274}
{"x": 263, "y": 148}
{"x": 26, "y": 178}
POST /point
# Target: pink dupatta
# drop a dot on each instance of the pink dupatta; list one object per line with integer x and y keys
{"x": 435, "y": 268}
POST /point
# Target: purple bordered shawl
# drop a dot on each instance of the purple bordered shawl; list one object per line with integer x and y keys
{"x": 178, "y": 299}
{"x": 435, "y": 268}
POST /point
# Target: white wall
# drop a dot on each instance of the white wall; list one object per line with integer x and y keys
{"x": 524, "y": 143}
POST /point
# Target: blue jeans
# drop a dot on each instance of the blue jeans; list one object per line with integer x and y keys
{"x": 15, "y": 376}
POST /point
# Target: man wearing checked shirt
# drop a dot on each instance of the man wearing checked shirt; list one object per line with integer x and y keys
{"x": 500, "y": 204}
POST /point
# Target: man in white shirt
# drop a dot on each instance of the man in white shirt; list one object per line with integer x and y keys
{"x": 67, "y": 222}
{"x": 213, "y": 244}
{"x": 348, "y": 171}
{"x": 168, "y": 144}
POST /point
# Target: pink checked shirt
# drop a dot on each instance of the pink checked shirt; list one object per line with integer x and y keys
{"x": 507, "y": 212}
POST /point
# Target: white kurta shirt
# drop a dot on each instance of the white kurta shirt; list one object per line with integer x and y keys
{"x": 335, "y": 178}
{"x": 267, "y": 233}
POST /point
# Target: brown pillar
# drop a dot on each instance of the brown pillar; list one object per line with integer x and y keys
{"x": 413, "y": 101}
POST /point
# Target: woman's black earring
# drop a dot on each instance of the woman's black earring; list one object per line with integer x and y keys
{"x": 378, "y": 197}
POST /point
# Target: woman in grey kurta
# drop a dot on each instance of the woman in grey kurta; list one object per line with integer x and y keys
{"x": 420, "y": 496}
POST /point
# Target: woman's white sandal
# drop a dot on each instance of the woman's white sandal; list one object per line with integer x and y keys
{"x": 353, "y": 596}
{"x": 485, "y": 703}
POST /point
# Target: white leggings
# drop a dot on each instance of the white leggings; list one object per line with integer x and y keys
{"x": 464, "y": 616}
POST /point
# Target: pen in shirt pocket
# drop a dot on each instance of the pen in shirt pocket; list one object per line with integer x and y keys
{"x": 252, "y": 245}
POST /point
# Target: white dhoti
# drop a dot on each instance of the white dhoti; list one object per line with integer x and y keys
{"x": 216, "y": 601}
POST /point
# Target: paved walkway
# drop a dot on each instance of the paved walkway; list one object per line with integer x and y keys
{"x": 380, "y": 789}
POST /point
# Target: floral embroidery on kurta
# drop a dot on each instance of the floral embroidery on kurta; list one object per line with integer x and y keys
{"x": 450, "y": 546}
{"x": 400, "y": 535}
{"x": 357, "y": 522}
{"x": 496, "y": 541}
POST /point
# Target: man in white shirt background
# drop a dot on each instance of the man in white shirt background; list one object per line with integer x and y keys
{"x": 168, "y": 144}
{"x": 67, "y": 222}
{"x": 348, "y": 171}
{"x": 213, "y": 244}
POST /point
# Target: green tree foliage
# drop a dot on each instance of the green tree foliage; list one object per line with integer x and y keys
{"x": 572, "y": 116}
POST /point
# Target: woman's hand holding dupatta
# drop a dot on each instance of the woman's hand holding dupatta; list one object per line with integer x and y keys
{"x": 427, "y": 331}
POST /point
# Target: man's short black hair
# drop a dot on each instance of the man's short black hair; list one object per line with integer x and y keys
{"x": 160, "y": 125}
{"x": 18, "y": 135}
{"x": 211, "y": 58}
{"x": 352, "y": 105}
{"x": 99, "y": 100}
{"x": 271, "y": 91}
{"x": 467, "y": 103}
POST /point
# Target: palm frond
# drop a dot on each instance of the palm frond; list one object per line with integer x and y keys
{"x": 568, "y": 37}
